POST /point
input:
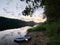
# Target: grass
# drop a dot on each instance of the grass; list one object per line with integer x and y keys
{"x": 38, "y": 28}
{"x": 53, "y": 30}
{"x": 54, "y": 33}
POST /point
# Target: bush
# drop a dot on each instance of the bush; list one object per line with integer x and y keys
{"x": 38, "y": 28}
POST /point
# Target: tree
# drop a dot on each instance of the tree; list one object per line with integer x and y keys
{"x": 32, "y": 5}
{"x": 51, "y": 8}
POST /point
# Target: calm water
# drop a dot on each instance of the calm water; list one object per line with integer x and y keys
{"x": 7, "y": 37}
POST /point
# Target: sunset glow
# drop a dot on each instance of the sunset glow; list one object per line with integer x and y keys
{"x": 24, "y": 18}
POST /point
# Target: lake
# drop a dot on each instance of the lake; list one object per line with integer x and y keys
{"x": 8, "y": 35}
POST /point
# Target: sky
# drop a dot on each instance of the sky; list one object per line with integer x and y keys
{"x": 14, "y": 8}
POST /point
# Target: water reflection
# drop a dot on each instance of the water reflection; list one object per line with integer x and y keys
{"x": 7, "y": 37}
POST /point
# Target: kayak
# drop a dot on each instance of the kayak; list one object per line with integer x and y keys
{"x": 22, "y": 39}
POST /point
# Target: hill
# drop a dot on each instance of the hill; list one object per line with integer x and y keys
{"x": 7, "y": 23}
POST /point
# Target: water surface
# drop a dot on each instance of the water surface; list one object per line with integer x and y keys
{"x": 7, "y": 36}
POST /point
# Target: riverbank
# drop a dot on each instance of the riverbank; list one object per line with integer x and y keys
{"x": 38, "y": 38}
{"x": 45, "y": 34}
{"x": 53, "y": 30}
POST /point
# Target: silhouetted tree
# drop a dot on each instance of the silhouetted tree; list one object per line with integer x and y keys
{"x": 30, "y": 8}
{"x": 52, "y": 8}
